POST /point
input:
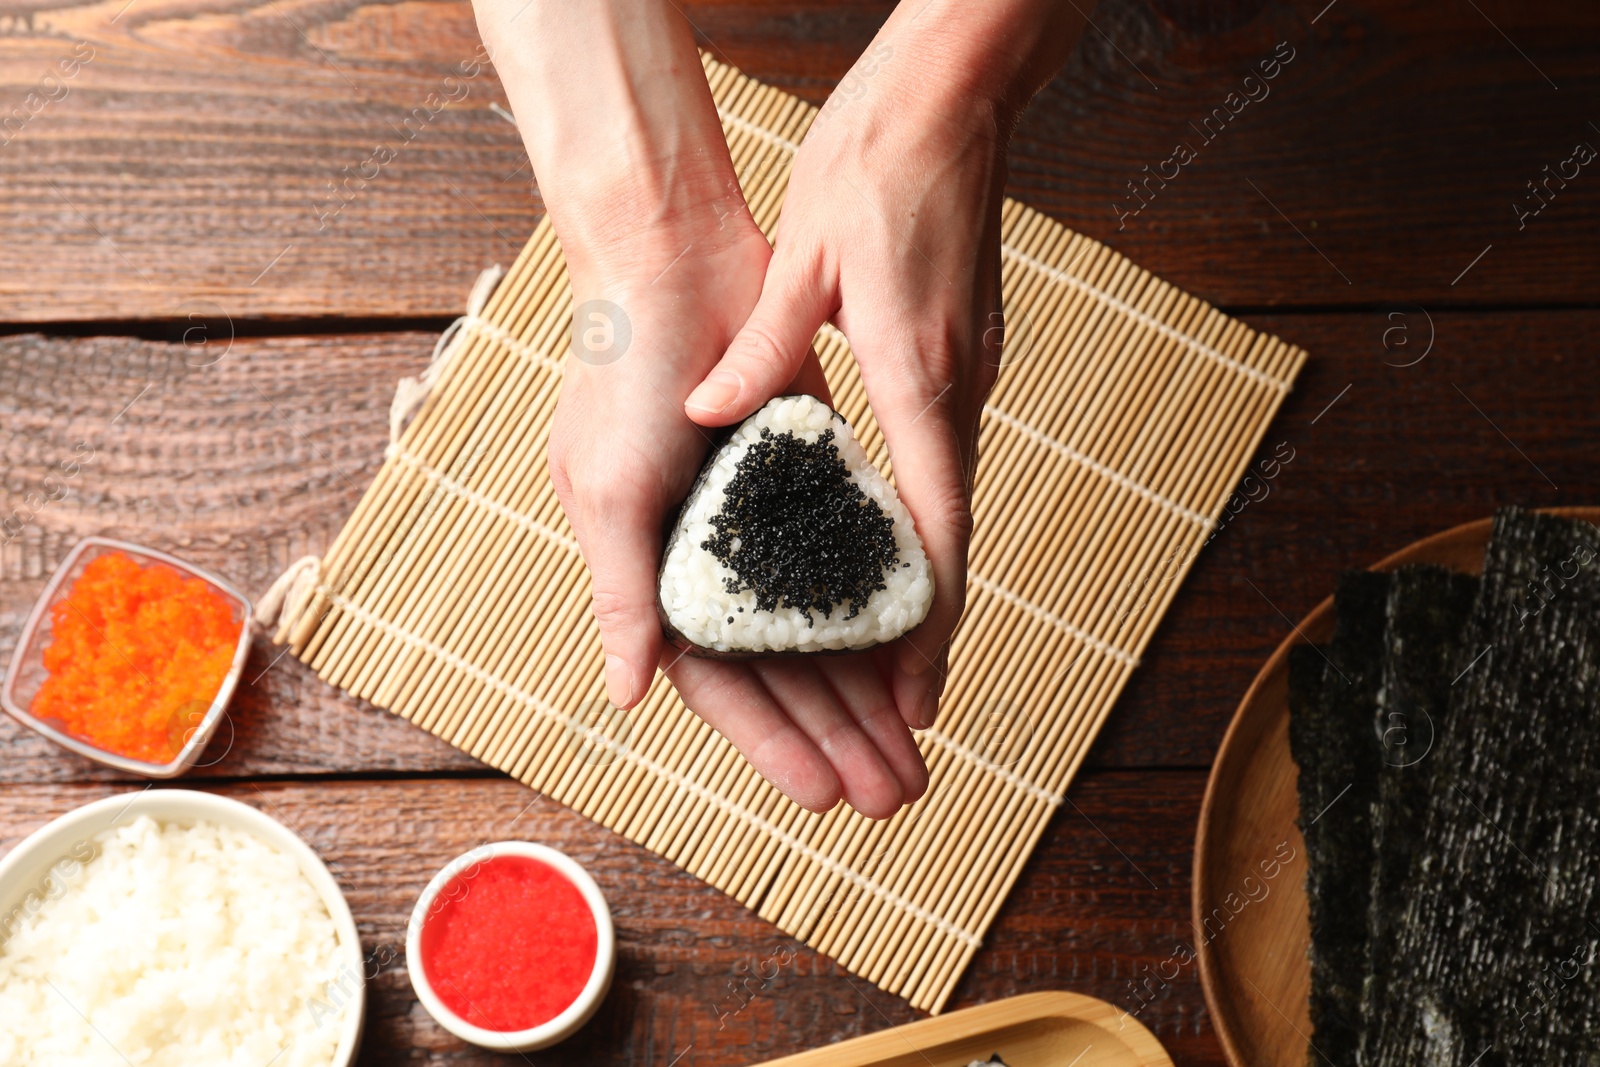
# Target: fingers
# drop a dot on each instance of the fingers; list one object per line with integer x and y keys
{"x": 917, "y": 695}
{"x": 734, "y": 702}
{"x": 860, "y": 687}
{"x": 917, "y": 409}
{"x": 622, "y": 557}
{"x": 818, "y": 732}
{"x": 868, "y": 784}
{"x": 619, "y": 533}
{"x": 768, "y": 352}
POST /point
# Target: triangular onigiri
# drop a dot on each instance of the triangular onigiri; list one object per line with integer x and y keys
{"x": 792, "y": 541}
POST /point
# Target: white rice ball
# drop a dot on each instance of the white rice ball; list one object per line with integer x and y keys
{"x": 710, "y": 606}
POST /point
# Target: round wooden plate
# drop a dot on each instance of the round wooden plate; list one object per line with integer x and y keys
{"x": 1250, "y": 923}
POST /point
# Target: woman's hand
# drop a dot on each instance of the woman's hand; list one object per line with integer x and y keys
{"x": 891, "y": 230}
{"x": 661, "y": 250}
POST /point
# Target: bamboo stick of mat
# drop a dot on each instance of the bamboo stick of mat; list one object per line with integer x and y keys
{"x": 1124, "y": 415}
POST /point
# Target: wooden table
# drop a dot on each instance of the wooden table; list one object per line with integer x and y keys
{"x": 170, "y": 300}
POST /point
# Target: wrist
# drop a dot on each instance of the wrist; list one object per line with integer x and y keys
{"x": 978, "y": 65}
{"x": 619, "y": 221}
{"x": 613, "y": 107}
{"x": 949, "y": 79}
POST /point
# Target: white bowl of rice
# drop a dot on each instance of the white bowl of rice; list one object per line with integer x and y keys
{"x": 174, "y": 928}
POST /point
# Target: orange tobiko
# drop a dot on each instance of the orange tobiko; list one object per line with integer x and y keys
{"x": 136, "y": 656}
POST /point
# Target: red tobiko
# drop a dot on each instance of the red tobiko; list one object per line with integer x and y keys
{"x": 510, "y": 944}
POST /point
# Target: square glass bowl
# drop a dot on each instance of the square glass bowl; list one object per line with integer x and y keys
{"x": 27, "y": 673}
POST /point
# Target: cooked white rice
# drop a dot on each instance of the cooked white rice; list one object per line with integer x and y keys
{"x": 693, "y": 588}
{"x": 175, "y": 946}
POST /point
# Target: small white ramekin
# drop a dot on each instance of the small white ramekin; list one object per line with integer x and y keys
{"x": 31, "y": 874}
{"x": 577, "y": 1013}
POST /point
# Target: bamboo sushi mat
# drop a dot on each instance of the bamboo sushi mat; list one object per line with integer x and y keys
{"x": 455, "y": 595}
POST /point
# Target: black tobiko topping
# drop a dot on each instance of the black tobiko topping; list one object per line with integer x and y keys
{"x": 807, "y": 535}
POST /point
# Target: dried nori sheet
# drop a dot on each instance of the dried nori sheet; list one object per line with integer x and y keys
{"x": 1427, "y": 611}
{"x": 1332, "y": 706}
{"x": 1494, "y": 952}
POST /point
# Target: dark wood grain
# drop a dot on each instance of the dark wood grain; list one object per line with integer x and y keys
{"x": 238, "y": 457}
{"x": 191, "y": 159}
{"x": 1106, "y": 896}
{"x": 1380, "y": 162}
{"x": 186, "y": 160}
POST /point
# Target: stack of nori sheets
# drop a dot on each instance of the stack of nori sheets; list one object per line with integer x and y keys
{"x": 1448, "y": 740}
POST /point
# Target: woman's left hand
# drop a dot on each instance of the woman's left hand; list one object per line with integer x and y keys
{"x": 891, "y": 230}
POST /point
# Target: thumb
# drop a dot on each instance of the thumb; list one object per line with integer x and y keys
{"x": 768, "y": 353}
{"x": 621, "y": 551}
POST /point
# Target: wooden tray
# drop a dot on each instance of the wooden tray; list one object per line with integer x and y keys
{"x": 1252, "y": 930}
{"x": 1033, "y": 1030}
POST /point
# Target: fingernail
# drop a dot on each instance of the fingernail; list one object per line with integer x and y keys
{"x": 928, "y": 707}
{"x": 619, "y": 681}
{"x": 928, "y": 703}
{"x": 713, "y": 395}
{"x": 912, "y": 660}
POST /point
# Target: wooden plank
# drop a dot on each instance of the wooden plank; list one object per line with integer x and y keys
{"x": 238, "y": 459}
{"x": 1104, "y": 899}
{"x": 190, "y": 159}
{"x": 230, "y": 156}
{"x": 1378, "y": 163}
{"x": 203, "y": 466}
